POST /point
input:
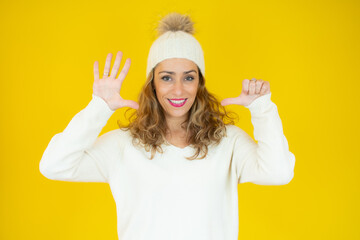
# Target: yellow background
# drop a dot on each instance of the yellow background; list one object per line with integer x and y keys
{"x": 307, "y": 50}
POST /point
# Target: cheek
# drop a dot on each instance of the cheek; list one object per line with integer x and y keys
{"x": 194, "y": 91}
{"x": 159, "y": 90}
{"x": 162, "y": 92}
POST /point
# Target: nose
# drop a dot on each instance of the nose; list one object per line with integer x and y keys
{"x": 178, "y": 88}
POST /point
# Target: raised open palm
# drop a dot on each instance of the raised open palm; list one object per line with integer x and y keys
{"x": 108, "y": 87}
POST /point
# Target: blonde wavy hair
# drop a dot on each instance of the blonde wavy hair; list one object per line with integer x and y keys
{"x": 206, "y": 120}
{"x": 204, "y": 126}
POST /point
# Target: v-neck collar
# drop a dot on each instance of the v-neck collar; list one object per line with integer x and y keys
{"x": 175, "y": 147}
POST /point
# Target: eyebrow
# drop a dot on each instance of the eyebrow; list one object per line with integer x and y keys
{"x": 174, "y": 72}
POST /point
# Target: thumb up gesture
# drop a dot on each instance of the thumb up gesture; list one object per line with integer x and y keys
{"x": 251, "y": 90}
{"x": 108, "y": 87}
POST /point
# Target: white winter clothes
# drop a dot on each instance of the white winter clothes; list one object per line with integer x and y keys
{"x": 170, "y": 197}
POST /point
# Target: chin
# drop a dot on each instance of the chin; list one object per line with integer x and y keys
{"x": 177, "y": 115}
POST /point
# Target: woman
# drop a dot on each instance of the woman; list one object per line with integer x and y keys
{"x": 174, "y": 169}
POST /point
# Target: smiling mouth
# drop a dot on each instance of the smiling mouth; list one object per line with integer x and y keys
{"x": 177, "y": 102}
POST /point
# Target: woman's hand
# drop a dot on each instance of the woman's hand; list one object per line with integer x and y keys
{"x": 108, "y": 87}
{"x": 251, "y": 90}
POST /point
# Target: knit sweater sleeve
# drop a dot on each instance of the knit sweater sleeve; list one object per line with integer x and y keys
{"x": 268, "y": 162}
{"x": 77, "y": 154}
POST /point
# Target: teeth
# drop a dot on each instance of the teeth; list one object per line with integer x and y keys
{"x": 177, "y": 101}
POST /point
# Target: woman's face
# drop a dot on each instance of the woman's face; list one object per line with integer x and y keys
{"x": 176, "y": 82}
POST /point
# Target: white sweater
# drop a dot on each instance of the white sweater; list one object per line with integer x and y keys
{"x": 170, "y": 197}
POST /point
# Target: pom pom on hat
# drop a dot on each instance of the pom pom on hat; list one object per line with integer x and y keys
{"x": 175, "y": 22}
{"x": 175, "y": 40}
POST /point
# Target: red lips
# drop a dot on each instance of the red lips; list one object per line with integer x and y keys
{"x": 177, "y": 104}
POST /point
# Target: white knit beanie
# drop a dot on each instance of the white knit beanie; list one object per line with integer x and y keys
{"x": 176, "y": 40}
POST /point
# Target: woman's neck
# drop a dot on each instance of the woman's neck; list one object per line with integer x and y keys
{"x": 174, "y": 125}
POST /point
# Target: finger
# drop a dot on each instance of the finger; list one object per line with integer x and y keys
{"x": 252, "y": 87}
{"x": 131, "y": 104}
{"x": 107, "y": 65}
{"x": 116, "y": 66}
{"x": 228, "y": 101}
{"x": 258, "y": 85}
{"x": 265, "y": 88}
{"x": 96, "y": 71}
{"x": 245, "y": 86}
{"x": 124, "y": 70}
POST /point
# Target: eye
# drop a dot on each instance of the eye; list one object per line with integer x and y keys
{"x": 190, "y": 78}
{"x": 165, "y": 78}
